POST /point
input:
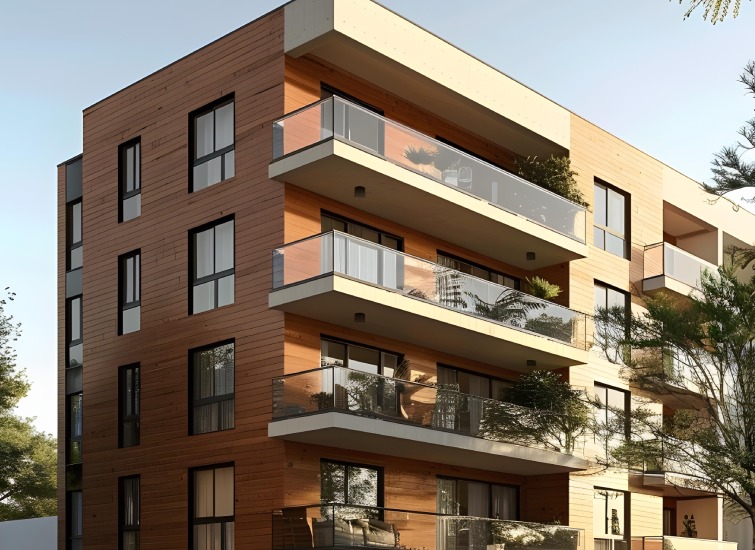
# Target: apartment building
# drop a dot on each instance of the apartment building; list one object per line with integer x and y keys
{"x": 282, "y": 264}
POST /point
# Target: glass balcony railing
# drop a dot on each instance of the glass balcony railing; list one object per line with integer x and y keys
{"x": 354, "y": 526}
{"x": 335, "y": 388}
{"x": 336, "y": 252}
{"x": 666, "y": 259}
{"x": 680, "y": 543}
{"x": 335, "y": 118}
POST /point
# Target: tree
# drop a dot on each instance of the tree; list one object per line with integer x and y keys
{"x": 27, "y": 457}
{"x": 731, "y": 171}
{"x": 716, "y": 9}
{"x": 704, "y": 354}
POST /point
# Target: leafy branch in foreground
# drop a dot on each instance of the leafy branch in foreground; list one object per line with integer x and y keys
{"x": 702, "y": 357}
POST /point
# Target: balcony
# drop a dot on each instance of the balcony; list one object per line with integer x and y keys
{"x": 344, "y": 280}
{"x": 343, "y": 527}
{"x": 680, "y": 543}
{"x": 672, "y": 269}
{"x": 333, "y": 145}
{"x": 344, "y": 408}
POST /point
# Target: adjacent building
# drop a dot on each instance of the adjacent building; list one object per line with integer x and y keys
{"x": 293, "y": 272}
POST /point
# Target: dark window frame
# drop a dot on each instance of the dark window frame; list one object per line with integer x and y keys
{"x": 125, "y": 194}
{"x": 70, "y": 244}
{"x": 347, "y": 342}
{"x": 72, "y": 438}
{"x": 70, "y": 344}
{"x": 490, "y": 379}
{"x": 195, "y": 161}
{"x": 490, "y": 484}
{"x": 124, "y": 527}
{"x": 193, "y": 520}
{"x": 604, "y": 409}
{"x": 215, "y": 276}
{"x": 70, "y": 537}
{"x": 134, "y": 418}
{"x": 626, "y": 519}
{"x": 456, "y": 258}
{"x": 348, "y": 221}
{"x": 626, "y": 236}
{"x": 124, "y": 303}
{"x": 380, "y": 483}
{"x": 199, "y": 402}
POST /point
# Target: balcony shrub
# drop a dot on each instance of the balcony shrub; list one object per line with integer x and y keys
{"x": 550, "y": 413}
{"x": 554, "y": 174}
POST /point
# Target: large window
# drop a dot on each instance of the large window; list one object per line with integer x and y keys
{"x": 448, "y": 260}
{"x": 74, "y": 525}
{"x": 608, "y": 519}
{"x": 610, "y": 231}
{"x": 613, "y": 414}
{"x": 332, "y": 222}
{"x": 129, "y": 401}
{"x": 213, "y": 159}
{"x": 128, "y": 513}
{"x": 213, "y": 373}
{"x": 612, "y": 329}
{"x": 212, "y": 277}
{"x": 130, "y": 292}
{"x": 75, "y": 428}
{"x": 461, "y": 497}
{"x": 75, "y": 256}
{"x": 74, "y": 333}
{"x": 347, "y": 484}
{"x": 130, "y": 180}
{"x": 212, "y": 516}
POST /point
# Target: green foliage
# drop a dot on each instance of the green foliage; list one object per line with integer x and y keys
{"x": 27, "y": 457}
{"x": 554, "y": 174}
{"x": 731, "y": 172}
{"x": 717, "y": 10}
{"x": 710, "y": 435}
{"x": 541, "y": 288}
{"x": 546, "y": 410}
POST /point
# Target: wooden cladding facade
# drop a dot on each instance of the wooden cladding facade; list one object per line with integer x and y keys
{"x": 250, "y": 66}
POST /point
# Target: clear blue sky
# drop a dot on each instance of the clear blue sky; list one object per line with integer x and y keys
{"x": 636, "y": 69}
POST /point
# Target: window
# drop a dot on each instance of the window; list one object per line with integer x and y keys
{"x": 75, "y": 428}
{"x": 460, "y": 497}
{"x": 613, "y": 416}
{"x": 608, "y": 519}
{"x": 472, "y": 383}
{"x": 129, "y": 513}
{"x": 213, "y": 373}
{"x": 213, "y": 133}
{"x": 212, "y": 508}
{"x": 355, "y": 392}
{"x": 75, "y": 255}
{"x": 130, "y": 180}
{"x": 129, "y": 397}
{"x": 345, "y": 484}
{"x": 74, "y": 525}
{"x": 610, "y": 223}
{"x": 356, "y": 121}
{"x": 608, "y": 299}
{"x": 332, "y": 222}
{"x": 74, "y": 333}
{"x": 447, "y": 260}
{"x": 212, "y": 278}
{"x": 130, "y": 292}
